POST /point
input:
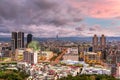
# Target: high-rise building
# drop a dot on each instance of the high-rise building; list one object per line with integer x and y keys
{"x": 29, "y": 38}
{"x": 102, "y": 42}
{"x": 95, "y": 43}
{"x": 17, "y": 40}
{"x": 14, "y": 40}
{"x": 20, "y": 40}
{"x": 30, "y": 56}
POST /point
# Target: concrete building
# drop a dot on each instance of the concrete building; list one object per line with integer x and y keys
{"x": 96, "y": 70}
{"x": 30, "y": 56}
{"x": 92, "y": 57}
{"x": 17, "y": 40}
{"x": 102, "y": 42}
{"x": 19, "y": 54}
{"x": 29, "y": 38}
{"x": 71, "y": 54}
{"x": 73, "y": 50}
{"x": 95, "y": 43}
{"x": 14, "y": 40}
{"x": 117, "y": 75}
{"x": 20, "y": 40}
{"x": 6, "y": 50}
{"x": 46, "y": 55}
{"x": 83, "y": 47}
{"x": 71, "y": 57}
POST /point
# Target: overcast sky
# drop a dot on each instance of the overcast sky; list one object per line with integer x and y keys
{"x": 66, "y": 18}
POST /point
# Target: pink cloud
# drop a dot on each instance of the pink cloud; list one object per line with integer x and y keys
{"x": 97, "y": 8}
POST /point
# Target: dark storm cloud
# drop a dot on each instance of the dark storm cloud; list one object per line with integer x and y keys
{"x": 26, "y": 12}
{"x": 22, "y": 15}
{"x": 8, "y": 10}
{"x": 43, "y": 4}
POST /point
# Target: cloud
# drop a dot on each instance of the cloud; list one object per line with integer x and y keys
{"x": 98, "y": 8}
{"x": 21, "y": 15}
{"x": 38, "y": 12}
{"x": 47, "y": 18}
{"x": 87, "y": 30}
{"x": 95, "y": 28}
{"x": 82, "y": 27}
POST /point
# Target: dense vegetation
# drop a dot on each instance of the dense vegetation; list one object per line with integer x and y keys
{"x": 12, "y": 75}
{"x": 89, "y": 77}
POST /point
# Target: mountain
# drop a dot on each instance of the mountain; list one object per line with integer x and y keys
{"x": 83, "y": 39}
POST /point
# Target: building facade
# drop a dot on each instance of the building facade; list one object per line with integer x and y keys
{"x": 102, "y": 42}
{"x": 30, "y": 57}
{"x": 29, "y": 38}
{"x": 71, "y": 54}
{"x": 92, "y": 57}
{"x": 14, "y": 40}
{"x": 45, "y": 56}
{"x": 17, "y": 40}
{"x": 20, "y": 40}
{"x": 95, "y": 43}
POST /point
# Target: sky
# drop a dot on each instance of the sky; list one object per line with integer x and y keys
{"x": 65, "y": 18}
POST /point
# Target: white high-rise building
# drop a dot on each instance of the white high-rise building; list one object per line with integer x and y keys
{"x": 30, "y": 56}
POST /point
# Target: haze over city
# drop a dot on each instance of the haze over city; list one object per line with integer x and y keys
{"x": 66, "y": 18}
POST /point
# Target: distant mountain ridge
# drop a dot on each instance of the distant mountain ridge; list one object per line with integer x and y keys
{"x": 84, "y": 39}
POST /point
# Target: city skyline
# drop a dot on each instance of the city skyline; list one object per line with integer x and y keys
{"x": 66, "y": 18}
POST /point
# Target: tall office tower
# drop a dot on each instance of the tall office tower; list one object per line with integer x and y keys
{"x": 102, "y": 42}
{"x": 20, "y": 40}
{"x": 29, "y": 38}
{"x": 95, "y": 43}
{"x": 14, "y": 40}
{"x": 17, "y": 40}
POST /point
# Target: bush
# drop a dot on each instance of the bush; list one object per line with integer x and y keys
{"x": 12, "y": 75}
{"x": 89, "y": 77}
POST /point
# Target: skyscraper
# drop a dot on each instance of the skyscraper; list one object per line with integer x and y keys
{"x": 20, "y": 40}
{"x": 14, "y": 40}
{"x": 17, "y": 40}
{"x": 102, "y": 42}
{"x": 29, "y": 38}
{"x": 95, "y": 43}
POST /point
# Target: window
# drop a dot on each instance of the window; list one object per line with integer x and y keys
{"x": 91, "y": 57}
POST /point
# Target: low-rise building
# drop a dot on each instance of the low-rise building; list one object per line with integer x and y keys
{"x": 72, "y": 50}
{"x": 92, "y": 57}
{"x": 96, "y": 70}
{"x": 117, "y": 71}
{"x": 19, "y": 54}
{"x": 45, "y": 55}
{"x": 71, "y": 54}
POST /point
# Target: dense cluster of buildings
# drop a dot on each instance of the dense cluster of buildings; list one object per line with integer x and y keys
{"x": 17, "y": 40}
{"x": 34, "y": 54}
{"x": 44, "y": 71}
